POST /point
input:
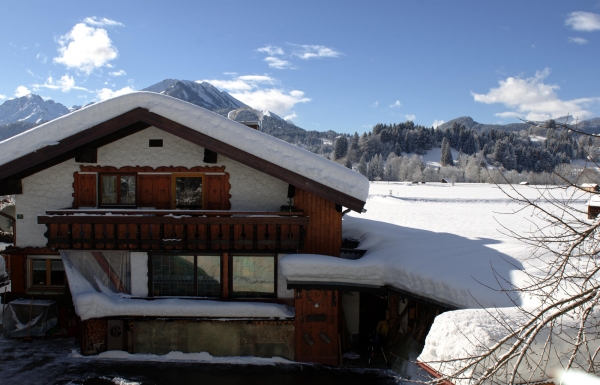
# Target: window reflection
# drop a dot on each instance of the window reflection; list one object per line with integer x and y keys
{"x": 188, "y": 193}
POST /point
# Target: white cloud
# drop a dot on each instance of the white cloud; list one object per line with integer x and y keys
{"x": 578, "y": 40}
{"x": 257, "y": 78}
{"x": 411, "y": 117}
{"x": 2, "y": 97}
{"x": 240, "y": 83}
{"x": 275, "y": 62}
{"x": 307, "y": 52}
{"x": 65, "y": 84}
{"x": 107, "y": 93}
{"x": 85, "y": 48}
{"x": 508, "y": 114}
{"x": 261, "y": 92}
{"x": 117, "y": 73}
{"x": 271, "y": 50}
{"x": 437, "y": 123}
{"x": 532, "y": 99}
{"x": 290, "y": 116}
{"x": 41, "y": 57}
{"x": 279, "y": 101}
{"x": 583, "y": 21}
{"x": 375, "y": 104}
{"x": 101, "y": 22}
{"x": 396, "y": 104}
{"x": 22, "y": 91}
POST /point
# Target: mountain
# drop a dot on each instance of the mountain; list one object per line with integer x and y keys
{"x": 201, "y": 94}
{"x": 591, "y": 126}
{"x": 30, "y": 108}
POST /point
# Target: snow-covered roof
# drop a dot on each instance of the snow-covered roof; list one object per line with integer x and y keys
{"x": 270, "y": 149}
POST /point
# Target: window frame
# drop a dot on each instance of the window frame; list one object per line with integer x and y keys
{"x": 48, "y": 286}
{"x": 118, "y": 175}
{"x": 230, "y": 275}
{"x": 226, "y": 266}
{"x": 195, "y": 280}
{"x": 176, "y": 175}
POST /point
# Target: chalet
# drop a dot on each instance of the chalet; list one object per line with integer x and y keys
{"x": 165, "y": 224}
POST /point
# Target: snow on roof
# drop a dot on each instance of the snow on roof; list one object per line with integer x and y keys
{"x": 91, "y": 303}
{"x": 437, "y": 241}
{"x": 254, "y": 142}
{"x": 594, "y": 201}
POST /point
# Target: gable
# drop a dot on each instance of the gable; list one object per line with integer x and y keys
{"x": 105, "y": 122}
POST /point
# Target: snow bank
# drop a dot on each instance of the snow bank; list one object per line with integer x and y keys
{"x": 202, "y": 357}
{"x": 90, "y": 303}
{"x": 252, "y": 141}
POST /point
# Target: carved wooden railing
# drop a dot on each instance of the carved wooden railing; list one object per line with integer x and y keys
{"x": 189, "y": 230}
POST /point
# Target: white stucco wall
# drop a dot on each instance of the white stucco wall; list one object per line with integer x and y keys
{"x": 139, "y": 274}
{"x": 52, "y": 188}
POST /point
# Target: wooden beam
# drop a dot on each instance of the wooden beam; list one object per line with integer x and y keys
{"x": 11, "y": 187}
{"x": 210, "y": 156}
{"x": 67, "y": 148}
{"x": 86, "y": 155}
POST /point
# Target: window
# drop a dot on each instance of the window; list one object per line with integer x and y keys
{"x": 246, "y": 276}
{"x": 253, "y": 276}
{"x": 46, "y": 273}
{"x": 186, "y": 275}
{"x": 117, "y": 189}
{"x": 187, "y": 191}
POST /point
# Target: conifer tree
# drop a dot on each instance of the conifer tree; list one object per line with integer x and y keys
{"x": 362, "y": 166}
{"x": 446, "y": 159}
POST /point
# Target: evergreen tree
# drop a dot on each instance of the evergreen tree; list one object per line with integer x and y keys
{"x": 362, "y": 166}
{"x": 446, "y": 159}
{"x": 341, "y": 147}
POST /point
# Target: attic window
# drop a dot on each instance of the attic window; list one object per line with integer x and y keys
{"x": 155, "y": 143}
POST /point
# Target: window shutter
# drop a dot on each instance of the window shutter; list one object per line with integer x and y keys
{"x": 162, "y": 191}
{"x": 217, "y": 192}
{"x": 146, "y": 190}
{"x": 84, "y": 190}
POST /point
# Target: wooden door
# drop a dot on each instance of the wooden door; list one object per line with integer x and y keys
{"x": 316, "y": 326}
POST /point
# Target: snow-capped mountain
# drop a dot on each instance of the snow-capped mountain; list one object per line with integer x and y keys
{"x": 30, "y": 108}
{"x": 201, "y": 94}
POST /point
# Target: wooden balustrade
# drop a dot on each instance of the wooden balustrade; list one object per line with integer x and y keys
{"x": 192, "y": 230}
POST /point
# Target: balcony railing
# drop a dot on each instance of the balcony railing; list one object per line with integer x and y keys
{"x": 185, "y": 230}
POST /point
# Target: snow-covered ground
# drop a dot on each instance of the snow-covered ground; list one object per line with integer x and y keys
{"x": 54, "y": 362}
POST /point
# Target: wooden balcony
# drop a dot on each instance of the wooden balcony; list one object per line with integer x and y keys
{"x": 184, "y": 230}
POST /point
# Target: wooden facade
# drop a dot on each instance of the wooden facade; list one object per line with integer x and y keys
{"x": 324, "y": 233}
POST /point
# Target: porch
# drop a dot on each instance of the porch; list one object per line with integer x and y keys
{"x": 185, "y": 230}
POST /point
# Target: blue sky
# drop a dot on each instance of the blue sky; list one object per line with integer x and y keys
{"x": 326, "y": 65}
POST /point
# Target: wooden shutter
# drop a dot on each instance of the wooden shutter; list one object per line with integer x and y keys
{"x": 217, "y": 192}
{"x": 162, "y": 191}
{"x": 146, "y": 190}
{"x": 84, "y": 190}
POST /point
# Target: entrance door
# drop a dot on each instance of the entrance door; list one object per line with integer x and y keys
{"x": 316, "y": 325}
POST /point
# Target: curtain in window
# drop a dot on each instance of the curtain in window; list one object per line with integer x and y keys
{"x": 106, "y": 271}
